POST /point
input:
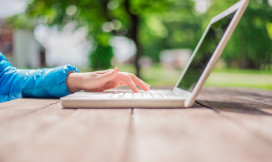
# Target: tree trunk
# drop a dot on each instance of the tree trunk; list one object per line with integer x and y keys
{"x": 134, "y": 37}
{"x": 133, "y": 34}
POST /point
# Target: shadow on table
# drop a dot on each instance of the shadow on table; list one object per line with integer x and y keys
{"x": 233, "y": 107}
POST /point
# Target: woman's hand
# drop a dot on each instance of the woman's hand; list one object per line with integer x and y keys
{"x": 104, "y": 80}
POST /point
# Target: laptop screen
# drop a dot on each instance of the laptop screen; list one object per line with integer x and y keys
{"x": 204, "y": 53}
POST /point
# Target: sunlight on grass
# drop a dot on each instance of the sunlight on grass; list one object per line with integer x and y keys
{"x": 238, "y": 79}
{"x": 160, "y": 76}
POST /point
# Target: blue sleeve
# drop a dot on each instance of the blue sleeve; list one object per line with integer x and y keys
{"x": 43, "y": 83}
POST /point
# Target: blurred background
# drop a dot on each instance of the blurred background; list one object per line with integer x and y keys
{"x": 153, "y": 39}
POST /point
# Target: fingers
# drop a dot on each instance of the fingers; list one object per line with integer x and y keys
{"x": 122, "y": 83}
{"x": 108, "y": 76}
{"x": 131, "y": 80}
{"x": 127, "y": 79}
{"x": 139, "y": 82}
{"x": 109, "y": 79}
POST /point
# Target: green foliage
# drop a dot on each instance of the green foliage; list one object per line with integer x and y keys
{"x": 250, "y": 46}
{"x": 106, "y": 18}
{"x": 21, "y": 22}
{"x": 101, "y": 57}
{"x": 178, "y": 27}
{"x": 157, "y": 25}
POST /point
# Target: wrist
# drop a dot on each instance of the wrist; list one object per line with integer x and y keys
{"x": 74, "y": 82}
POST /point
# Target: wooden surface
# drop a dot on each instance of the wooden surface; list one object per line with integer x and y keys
{"x": 224, "y": 125}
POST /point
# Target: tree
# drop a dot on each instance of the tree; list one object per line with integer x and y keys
{"x": 102, "y": 18}
{"x": 156, "y": 25}
{"x": 251, "y": 45}
{"x": 178, "y": 27}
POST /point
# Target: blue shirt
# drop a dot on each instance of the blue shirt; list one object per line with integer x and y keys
{"x": 42, "y": 83}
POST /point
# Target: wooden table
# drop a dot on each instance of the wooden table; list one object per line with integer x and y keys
{"x": 224, "y": 125}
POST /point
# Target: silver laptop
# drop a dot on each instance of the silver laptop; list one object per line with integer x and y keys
{"x": 191, "y": 81}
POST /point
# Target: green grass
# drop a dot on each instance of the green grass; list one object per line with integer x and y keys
{"x": 158, "y": 75}
{"x": 243, "y": 71}
{"x": 240, "y": 79}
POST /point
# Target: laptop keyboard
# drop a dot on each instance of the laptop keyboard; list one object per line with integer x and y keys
{"x": 130, "y": 94}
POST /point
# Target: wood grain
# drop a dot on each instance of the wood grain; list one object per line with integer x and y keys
{"x": 57, "y": 134}
{"x": 226, "y": 124}
{"x": 192, "y": 135}
{"x": 20, "y": 107}
{"x": 249, "y": 109}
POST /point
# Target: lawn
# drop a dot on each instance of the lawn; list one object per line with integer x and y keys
{"x": 161, "y": 76}
{"x": 158, "y": 76}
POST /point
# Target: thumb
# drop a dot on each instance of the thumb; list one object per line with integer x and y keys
{"x": 109, "y": 76}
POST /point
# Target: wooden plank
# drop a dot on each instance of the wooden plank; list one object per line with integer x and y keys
{"x": 88, "y": 135}
{"x": 19, "y": 134}
{"x": 251, "y": 110}
{"x": 194, "y": 134}
{"x": 262, "y": 99}
{"x": 50, "y": 133}
{"x": 57, "y": 134}
{"x": 20, "y": 107}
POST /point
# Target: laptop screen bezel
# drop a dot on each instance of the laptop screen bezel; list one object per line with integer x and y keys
{"x": 239, "y": 9}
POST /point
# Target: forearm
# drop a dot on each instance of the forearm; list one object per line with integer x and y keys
{"x": 48, "y": 82}
{"x": 16, "y": 83}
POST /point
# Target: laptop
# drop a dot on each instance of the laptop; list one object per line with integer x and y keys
{"x": 191, "y": 81}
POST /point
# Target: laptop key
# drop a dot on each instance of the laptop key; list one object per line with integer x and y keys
{"x": 128, "y": 95}
{"x": 118, "y": 95}
{"x": 147, "y": 95}
{"x": 155, "y": 94}
{"x": 137, "y": 95}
